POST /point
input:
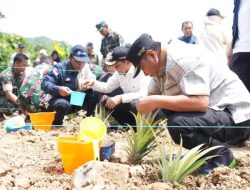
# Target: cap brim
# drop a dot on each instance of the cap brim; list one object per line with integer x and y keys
{"x": 137, "y": 70}
{"x": 110, "y": 63}
{"x": 100, "y": 29}
{"x": 82, "y": 59}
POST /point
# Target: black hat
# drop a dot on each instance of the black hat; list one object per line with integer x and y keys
{"x": 21, "y": 45}
{"x": 117, "y": 54}
{"x": 137, "y": 50}
{"x": 89, "y": 45}
{"x": 214, "y": 12}
{"x": 79, "y": 53}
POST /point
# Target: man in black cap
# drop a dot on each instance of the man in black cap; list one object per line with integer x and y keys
{"x": 192, "y": 89}
{"x": 61, "y": 80}
{"x": 133, "y": 88}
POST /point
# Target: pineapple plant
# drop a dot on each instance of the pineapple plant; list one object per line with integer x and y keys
{"x": 174, "y": 168}
{"x": 143, "y": 140}
{"x": 102, "y": 114}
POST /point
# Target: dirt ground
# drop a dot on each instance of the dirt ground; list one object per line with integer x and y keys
{"x": 30, "y": 160}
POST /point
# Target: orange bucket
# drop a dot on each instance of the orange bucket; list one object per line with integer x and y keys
{"x": 74, "y": 153}
{"x": 42, "y": 120}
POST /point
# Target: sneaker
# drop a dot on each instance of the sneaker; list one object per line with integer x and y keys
{"x": 224, "y": 158}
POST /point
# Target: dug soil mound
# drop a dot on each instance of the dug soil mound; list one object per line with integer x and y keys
{"x": 30, "y": 160}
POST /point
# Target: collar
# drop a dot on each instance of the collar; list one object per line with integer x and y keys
{"x": 130, "y": 72}
{"x": 163, "y": 61}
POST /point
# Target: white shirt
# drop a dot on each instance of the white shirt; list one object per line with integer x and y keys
{"x": 133, "y": 88}
{"x": 243, "y": 42}
{"x": 215, "y": 37}
{"x": 84, "y": 73}
{"x": 190, "y": 71}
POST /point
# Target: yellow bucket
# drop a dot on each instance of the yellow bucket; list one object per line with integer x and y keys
{"x": 75, "y": 153}
{"x": 42, "y": 120}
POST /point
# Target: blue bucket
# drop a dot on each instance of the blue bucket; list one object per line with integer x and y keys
{"x": 16, "y": 123}
{"x": 77, "y": 98}
{"x": 107, "y": 151}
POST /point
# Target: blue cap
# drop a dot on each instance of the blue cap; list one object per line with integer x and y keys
{"x": 80, "y": 53}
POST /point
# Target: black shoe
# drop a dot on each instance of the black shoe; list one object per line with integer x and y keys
{"x": 238, "y": 144}
{"x": 2, "y": 117}
{"x": 224, "y": 158}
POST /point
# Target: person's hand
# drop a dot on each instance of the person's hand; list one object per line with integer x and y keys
{"x": 86, "y": 84}
{"x": 104, "y": 98}
{"x": 113, "y": 101}
{"x": 22, "y": 109}
{"x": 145, "y": 105}
{"x": 64, "y": 91}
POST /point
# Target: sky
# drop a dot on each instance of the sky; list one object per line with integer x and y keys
{"x": 74, "y": 20}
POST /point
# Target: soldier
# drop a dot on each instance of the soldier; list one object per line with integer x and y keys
{"x": 11, "y": 80}
{"x": 31, "y": 96}
{"x": 61, "y": 80}
{"x": 110, "y": 39}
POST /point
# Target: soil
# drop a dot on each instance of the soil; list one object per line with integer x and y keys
{"x": 30, "y": 160}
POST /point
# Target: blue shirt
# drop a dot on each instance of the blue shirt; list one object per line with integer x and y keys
{"x": 61, "y": 74}
{"x": 189, "y": 40}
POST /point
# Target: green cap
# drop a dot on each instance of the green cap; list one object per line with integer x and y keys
{"x": 100, "y": 25}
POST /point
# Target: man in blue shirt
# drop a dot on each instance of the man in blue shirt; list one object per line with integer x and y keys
{"x": 61, "y": 80}
{"x": 187, "y": 29}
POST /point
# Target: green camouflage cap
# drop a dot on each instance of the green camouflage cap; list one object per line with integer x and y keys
{"x": 100, "y": 25}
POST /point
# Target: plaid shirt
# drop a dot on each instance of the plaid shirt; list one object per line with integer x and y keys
{"x": 191, "y": 71}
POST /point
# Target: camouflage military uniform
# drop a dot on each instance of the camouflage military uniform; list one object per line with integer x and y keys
{"x": 31, "y": 96}
{"x": 110, "y": 42}
{"x": 9, "y": 76}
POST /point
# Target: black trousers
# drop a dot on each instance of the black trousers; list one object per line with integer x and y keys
{"x": 63, "y": 107}
{"x": 240, "y": 64}
{"x": 122, "y": 113}
{"x": 193, "y": 136}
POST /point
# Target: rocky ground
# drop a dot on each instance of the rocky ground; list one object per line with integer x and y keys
{"x": 30, "y": 160}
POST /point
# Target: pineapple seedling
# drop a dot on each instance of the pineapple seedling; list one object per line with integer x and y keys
{"x": 102, "y": 114}
{"x": 143, "y": 141}
{"x": 174, "y": 168}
